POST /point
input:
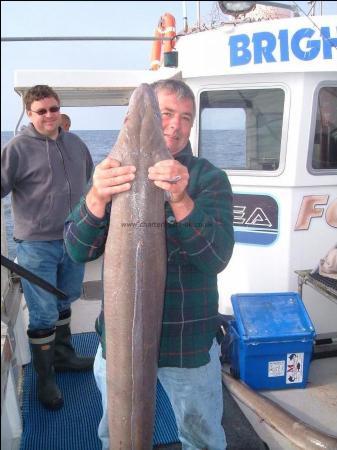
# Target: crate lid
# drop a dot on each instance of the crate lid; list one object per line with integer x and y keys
{"x": 271, "y": 316}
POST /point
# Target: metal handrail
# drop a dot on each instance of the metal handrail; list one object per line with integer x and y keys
{"x": 83, "y": 38}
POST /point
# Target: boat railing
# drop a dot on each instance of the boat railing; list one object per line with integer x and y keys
{"x": 325, "y": 343}
{"x": 15, "y": 351}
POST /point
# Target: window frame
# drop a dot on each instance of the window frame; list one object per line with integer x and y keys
{"x": 312, "y": 132}
{"x": 284, "y": 131}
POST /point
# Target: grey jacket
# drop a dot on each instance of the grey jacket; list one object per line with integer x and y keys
{"x": 47, "y": 178}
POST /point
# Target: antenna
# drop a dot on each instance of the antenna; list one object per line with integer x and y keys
{"x": 185, "y": 17}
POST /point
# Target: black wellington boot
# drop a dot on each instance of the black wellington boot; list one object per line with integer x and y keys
{"x": 65, "y": 356}
{"x": 42, "y": 344}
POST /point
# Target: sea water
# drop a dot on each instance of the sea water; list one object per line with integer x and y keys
{"x": 221, "y": 147}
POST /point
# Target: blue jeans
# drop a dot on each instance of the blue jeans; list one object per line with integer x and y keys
{"x": 196, "y": 398}
{"x": 50, "y": 261}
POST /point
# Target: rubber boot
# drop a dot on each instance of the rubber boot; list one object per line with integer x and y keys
{"x": 42, "y": 345}
{"x": 65, "y": 356}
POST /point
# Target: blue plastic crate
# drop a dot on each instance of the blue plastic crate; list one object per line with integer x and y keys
{"x": 272, "y": 340}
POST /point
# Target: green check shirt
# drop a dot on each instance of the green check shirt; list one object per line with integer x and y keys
{"x": 198, "y": 248}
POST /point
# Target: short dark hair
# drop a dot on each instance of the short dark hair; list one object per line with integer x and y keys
{"x": 39, "y": 92}
{"x": 180, "y": 88}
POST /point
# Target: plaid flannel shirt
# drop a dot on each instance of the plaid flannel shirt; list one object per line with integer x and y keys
{"x": 198, "y": 248}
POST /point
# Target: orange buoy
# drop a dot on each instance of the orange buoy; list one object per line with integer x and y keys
{"x": 166, "y": 28}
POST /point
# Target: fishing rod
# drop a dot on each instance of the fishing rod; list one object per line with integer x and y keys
{"x": 28, "y": 275}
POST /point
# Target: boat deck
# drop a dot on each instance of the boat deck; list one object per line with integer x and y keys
{"x": 316, "y": 405}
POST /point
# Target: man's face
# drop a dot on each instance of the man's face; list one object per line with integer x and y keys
{"x": 46, "y": 124}
{"x": 177, "y": 120}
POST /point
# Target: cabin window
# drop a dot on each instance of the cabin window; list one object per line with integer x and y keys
{"x": 241, "y": 129}
{"x": 324, "y": 152}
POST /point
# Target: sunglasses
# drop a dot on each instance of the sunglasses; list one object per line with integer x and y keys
{"x": 43, "y": 111}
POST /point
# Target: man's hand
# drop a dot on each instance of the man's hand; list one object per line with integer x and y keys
{"x": 109, "y": 178}
{"x": 173, "y": 177}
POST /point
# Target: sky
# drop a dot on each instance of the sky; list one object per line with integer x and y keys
{"x": 87, "y": 18}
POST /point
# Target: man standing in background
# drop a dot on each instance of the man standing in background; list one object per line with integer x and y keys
{"x": 65, "y": 122}
{"x": 47, "y": 171}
